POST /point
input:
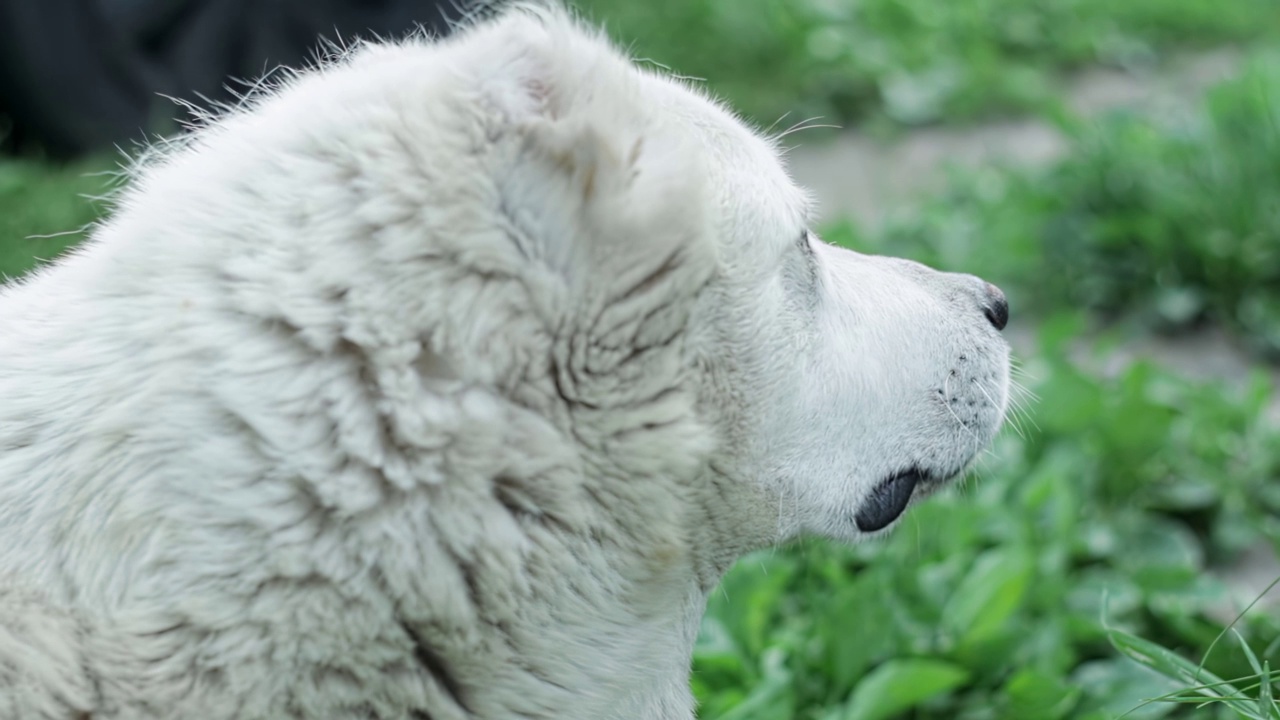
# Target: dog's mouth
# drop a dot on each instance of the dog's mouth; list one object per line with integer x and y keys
{"x": 888, "y": 500}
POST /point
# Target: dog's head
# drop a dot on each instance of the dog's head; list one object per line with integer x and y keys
{"x": 611, "y": 249}
{"x": 839, "y": 386}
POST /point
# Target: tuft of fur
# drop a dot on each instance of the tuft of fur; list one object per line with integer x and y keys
{"x": 43, "y": 672}
{"x": 443, "y": 381}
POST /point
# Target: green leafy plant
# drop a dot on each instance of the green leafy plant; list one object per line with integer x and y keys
{"x": 988, "y": 602}
{"x": 1250, "y": 697}
{"x": 1172, "y": 221}
{"x": 912, "y": 61}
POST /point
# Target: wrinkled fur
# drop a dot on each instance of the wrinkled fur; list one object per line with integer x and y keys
{"x": 444, "y": 382}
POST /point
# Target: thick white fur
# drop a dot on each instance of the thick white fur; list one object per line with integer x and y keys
{"x": 444, "y": 382}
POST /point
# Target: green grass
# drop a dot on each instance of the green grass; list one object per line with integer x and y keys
{"x": 1170, "y": 221}
{"x": 913, "y": 61}
{"x": 1250, "y": 696}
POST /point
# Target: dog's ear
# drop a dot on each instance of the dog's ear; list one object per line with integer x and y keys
{"x": 601, "y": 176}
{"x": 604, "y": 186}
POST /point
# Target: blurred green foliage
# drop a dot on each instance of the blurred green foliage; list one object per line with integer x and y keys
{"x": 1174, "y": 221}
{"x": 911, "y": 61}
{"x": 44, "y": 210}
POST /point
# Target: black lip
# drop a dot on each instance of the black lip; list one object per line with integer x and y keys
{"x": 888, "y": 501}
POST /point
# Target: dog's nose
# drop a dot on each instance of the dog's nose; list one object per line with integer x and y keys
{"x": 995, "y": 306}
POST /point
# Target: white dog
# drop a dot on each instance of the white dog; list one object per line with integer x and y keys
{"x": 445, "y": 382}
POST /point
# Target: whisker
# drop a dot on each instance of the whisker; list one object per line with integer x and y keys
{"x": 1012, "y": 416}
{"x": 1022, "y": 399}
{"x": 1019, "y": 412}
{"x": 802, "y": 126}
{"x": 774, "y": 124}
{"x": 65, "y": 233}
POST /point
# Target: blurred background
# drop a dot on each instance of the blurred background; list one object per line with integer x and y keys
{"x": 1114, "y": 165}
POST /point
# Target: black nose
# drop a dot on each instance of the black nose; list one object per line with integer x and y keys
{"x": 997, "y": 307}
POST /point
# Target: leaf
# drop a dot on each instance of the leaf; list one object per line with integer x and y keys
{"x": 863, "y": 609}
{"x": 1266, "y": 705}
{"x": 716, "y": 650}
{"x": 748, "y": 599}
{"x": 1034, "y": 694}
{"x": 1071, "y": 404}
{"x": 1117, "y": 687}
{"x": 1159, "y": 554}
{"x": 1164, "y": 661}
{"x": 1266, "y": 701}
{"x": 901, "y": 684}
{"x": 1199, "y": 681}
{"x": 989, "y": 595}
{"x": 773, "y": 699}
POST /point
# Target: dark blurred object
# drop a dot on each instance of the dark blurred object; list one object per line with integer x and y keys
{"x": 80, "y": 75}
